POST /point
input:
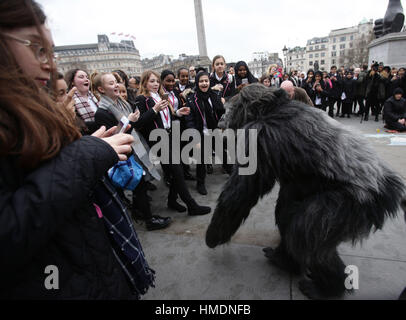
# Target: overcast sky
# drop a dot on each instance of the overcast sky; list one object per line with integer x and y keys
{"x": 234, "y": 28}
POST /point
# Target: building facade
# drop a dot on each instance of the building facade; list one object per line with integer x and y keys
{"x": 103, "y": 56}
{"x": 163, "y": 62}
{"x": 261, "y": 61}
{"x": 296, "y": 59}
{"x": 317, "y": 53}
{"x": 348, "y": 47}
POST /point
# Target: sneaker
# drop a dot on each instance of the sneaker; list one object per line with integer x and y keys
{"x": 199, "y": 211}
{"x": 174, "y": 205}
{"x": 201, "y": 188}
{"x": 157, "y": 223}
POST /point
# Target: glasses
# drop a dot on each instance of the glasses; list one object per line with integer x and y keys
{"x": 41, "y": 53}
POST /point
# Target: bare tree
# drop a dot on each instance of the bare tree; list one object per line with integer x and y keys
{"x": 359, "y": 53}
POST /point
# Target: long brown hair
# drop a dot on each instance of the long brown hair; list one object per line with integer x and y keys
{"x": 32, "y": 127}
{"x": 143, "y": 91}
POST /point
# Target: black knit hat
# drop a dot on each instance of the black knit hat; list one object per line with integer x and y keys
{"x": 398, "y": 91}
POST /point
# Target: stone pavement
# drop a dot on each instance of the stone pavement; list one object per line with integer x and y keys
{"x": 188, "y": 270}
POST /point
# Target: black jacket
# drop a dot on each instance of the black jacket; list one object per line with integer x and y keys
{"x": 394, "y": 110}
{"x": 349, "y": 87}
{"x": 372, "y": 86}
{"x": 47, "y": 218}
{"x": 194, "y": 119}
{"x": 336, "y": 90}
{"x": 149, "y": 120}
{"x": 228, "y": 86}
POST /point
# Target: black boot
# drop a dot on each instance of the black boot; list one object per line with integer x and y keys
{"x": 376, "y": 118}
{"x": 201, "y": 188}
{"x": 195, "y": 210}
{"x": 157, "y": 223}
{"x": 366, "y": 118}
{"x": 174, "y": 205}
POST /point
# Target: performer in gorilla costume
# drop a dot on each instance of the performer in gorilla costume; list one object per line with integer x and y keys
{"x": 333, "y": 187}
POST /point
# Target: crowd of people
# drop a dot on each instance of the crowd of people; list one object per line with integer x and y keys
{"x": 58, "y": 141}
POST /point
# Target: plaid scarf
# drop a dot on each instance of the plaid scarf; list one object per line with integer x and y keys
{"x": 83, "y": 108}
{"x": 123, "y": 238}
{"x": 140, "y": 146}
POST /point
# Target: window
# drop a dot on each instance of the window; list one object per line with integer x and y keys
{"x": 334, "y": 47}
{"x": 351, "y": 45}
{"x": 310, "y": 55}
{"x": 323, "y": 46}
{"x": 310, "y": 48}
{"x": 310, "y": 63}
{"x": 322, "y": 62}
{"x": 342, "y": 53}
{"x": 323, "y": 54}
{"x": 342, "y": 39}
{"x": 352, "y": 38}
{"x": 316, "y": 55}
{"x": 334, "y": 54}
{"x": 317, "y": 47}
{"x": 333, "y": 61}
{"x": 334, "y": 40}
{"x": 342, "y": 46}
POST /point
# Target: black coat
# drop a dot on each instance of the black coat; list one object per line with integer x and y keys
{"x": 349, "y": 87}
{"x": 47, "y": 218}
{"x": 394, "y": 110}
{"x": 229, "y": 89}
{"x": 149, "y": 120}
{"x": 194, "y": 119}
{"x": 336, "y": 90}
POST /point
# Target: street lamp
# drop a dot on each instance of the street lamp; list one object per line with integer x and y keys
{"x": 285, "y": 51}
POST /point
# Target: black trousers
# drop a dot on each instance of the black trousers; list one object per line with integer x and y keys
{"x": 396, "y": 126}
{"x": 339, "y": 102}
{"x": 373, "y": 104}
{"x": 360, "y": 101}
{"x": 141, "y": 204}
{"x": 178, "y": 184}
{"x": 201, "y": 168}
{"x": 347, "y": 106}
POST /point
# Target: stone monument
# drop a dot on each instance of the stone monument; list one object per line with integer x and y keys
{"x": 389, "y": 46}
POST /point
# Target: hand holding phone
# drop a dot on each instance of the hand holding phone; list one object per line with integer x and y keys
{"x": 122, "y": 125}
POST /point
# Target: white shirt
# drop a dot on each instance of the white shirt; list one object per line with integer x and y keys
{"x": 217, "y": 77}
{"x": 92, "y": 104}
{"x": 182, "y": 87}
{"x": 165, "y": 114}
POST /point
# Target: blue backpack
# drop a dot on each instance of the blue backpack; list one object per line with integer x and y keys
{"x": 126, "y": 174}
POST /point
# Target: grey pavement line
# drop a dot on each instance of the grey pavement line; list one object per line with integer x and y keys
{"x": 258, "y": 246}
{"x": 373, "y": 258}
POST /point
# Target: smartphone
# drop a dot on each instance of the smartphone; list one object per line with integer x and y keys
{"x": 122, "y": 125}
{"x": 165, "y": 96}
{"x": 244, "y": 81}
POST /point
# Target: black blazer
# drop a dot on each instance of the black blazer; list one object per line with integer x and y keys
{"x": 149, "y": 120}
{"x": 194, "y": 119}
{"x": 229, "y": 86}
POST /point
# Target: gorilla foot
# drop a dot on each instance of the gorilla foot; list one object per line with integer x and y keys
{"x": 282, "y": 261}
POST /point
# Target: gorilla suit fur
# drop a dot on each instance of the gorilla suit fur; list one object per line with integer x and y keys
{"x": 333, "y": 187}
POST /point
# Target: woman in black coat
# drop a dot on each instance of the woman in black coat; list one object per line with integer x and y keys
{"x": 349, "y": 88}
{"x": 55, "y": 242}
{"x": 206, "y": 109}
{"x": 157, "y": 113}
{"x": 395, "y": 111}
